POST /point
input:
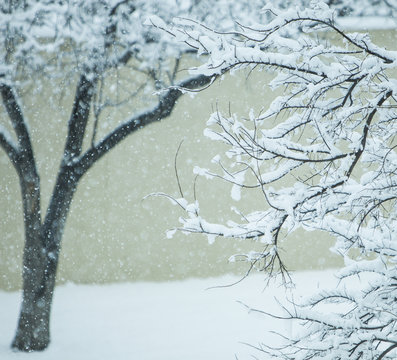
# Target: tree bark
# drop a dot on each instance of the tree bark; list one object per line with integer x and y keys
{"x": 32, "y": 332}
{"x": 40, "y": 262}
{"x": 43, "y": 239}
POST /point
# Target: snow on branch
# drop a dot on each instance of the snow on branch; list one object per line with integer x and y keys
{"x": 326, "y": 122}
{"x": 323, "y": 157}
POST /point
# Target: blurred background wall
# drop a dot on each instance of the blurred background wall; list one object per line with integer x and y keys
{"x": 113, "y": 234}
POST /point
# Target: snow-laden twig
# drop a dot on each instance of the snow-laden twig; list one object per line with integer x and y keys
{"x": 332, "y": 130}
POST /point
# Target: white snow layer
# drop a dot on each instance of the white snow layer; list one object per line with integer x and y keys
{"x": 151, "y": 321}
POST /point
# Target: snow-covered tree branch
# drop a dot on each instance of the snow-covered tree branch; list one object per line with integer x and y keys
{"x": 323, "y": 156}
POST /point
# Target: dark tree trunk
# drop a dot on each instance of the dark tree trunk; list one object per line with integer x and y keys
{"x": 40, "y": 262}
{"x": 32, "y": 331}
{"x": 43, "y": 238}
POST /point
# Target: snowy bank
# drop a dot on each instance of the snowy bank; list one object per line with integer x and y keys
{"x": 151, "y": 321}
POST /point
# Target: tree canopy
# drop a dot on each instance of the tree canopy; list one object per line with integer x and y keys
{"x": 322, "y": 156}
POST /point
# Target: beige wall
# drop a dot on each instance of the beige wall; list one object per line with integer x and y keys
{"x": 112, "y": 234}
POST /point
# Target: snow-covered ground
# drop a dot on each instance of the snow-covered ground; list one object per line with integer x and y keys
{"x": 150, "y": 321}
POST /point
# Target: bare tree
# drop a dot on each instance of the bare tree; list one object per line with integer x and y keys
{"x": 323, "y": 157}
{"x": 87, "y": 41}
